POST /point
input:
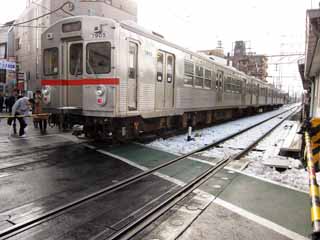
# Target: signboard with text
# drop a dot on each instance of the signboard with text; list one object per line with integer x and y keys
{"x": 10, "y": 66}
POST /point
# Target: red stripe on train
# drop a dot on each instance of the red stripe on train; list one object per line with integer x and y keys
{"x": 80, "y": 82}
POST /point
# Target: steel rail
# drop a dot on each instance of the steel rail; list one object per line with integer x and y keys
{"x": 149, "y": 217}
{"x": 16, "y": 229}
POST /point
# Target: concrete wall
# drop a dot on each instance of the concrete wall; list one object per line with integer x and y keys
{"x": 27, "y": 40}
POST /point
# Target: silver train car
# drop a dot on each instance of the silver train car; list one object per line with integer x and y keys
{"x": 120, "y": 80}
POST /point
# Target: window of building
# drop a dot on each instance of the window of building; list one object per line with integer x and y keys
{"x": 3, "y": 51}
{"x": 18, "y": 43}
{"x": 51, "y": 61}
{"x": 99, "y": 58}
{"x": 188, "y": 73}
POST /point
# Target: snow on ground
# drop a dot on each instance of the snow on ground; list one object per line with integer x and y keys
{"x": 296, "y": 177}
{"x": 206, "y": 136}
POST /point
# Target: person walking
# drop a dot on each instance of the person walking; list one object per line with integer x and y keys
{"x": 41, "y": 120}
{"x": 1, "y": 102}
{"x": 11, "y": 101}
{"x": 20, "y": 109}
{"x": 6, "y": 103}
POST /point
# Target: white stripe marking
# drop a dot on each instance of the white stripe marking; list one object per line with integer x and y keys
{"x": 267, "y": 180}
{"x": 232, "y": 169}
{"x": 262, "y": 221}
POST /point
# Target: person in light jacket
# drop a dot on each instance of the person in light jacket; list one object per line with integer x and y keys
{"x": 41, "y": 120}
{"x": 20, "y": 109}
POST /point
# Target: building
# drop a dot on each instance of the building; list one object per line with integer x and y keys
{"x": 310, "y": 67}
{"x": 25, "y": 38}
{"x": 249, "y": 63}
{"x": 4, "y": 36}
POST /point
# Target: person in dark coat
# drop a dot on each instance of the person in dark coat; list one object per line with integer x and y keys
{"x": 6, "y": 103}
{"x": 11, "y": 101}
{"x": 1, "y": 102}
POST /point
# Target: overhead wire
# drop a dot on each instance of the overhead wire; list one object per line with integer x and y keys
{"x": 45, "y": 8}
{"x": 61, "y": 8}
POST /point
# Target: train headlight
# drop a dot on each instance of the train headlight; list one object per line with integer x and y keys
{"x": 45, "y": 92}
{"x": 100, "y": 91}
{"x": 101, "y": 95}
{"x": 46, "y": 95}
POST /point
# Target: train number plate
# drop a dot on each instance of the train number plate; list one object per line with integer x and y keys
{"x": 98, "y": 35}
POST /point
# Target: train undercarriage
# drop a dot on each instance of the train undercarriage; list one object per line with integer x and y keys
{"x": 138, "y": 128}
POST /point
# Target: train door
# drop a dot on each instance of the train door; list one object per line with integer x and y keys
{"x": 74, "y": 74}
{"x": 133, "y": 77}
{"x": 250, "y": 92}
{"x": 267, "y": 94}
{"x": 243, "y": 91}
{"x": 169, "y": 81}
{"x": 164, "y": 97}
{"x": 219, "y": 86}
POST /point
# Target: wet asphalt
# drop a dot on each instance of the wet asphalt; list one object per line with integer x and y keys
{"x": 40, "y": 174}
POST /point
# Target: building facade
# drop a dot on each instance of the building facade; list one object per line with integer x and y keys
{"x": 4, "y": 38}
{"x": 310, "y": 67}
{"x": 25, "y": 39}
{"x": 249, "y": 63}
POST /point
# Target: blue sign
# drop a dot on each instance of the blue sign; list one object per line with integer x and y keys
{"x": 10, "y": 66}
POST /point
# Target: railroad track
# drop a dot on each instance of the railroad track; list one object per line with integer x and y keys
{"x": 137, "y": 225}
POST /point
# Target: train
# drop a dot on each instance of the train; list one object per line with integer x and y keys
{"x": 119, "y": 80}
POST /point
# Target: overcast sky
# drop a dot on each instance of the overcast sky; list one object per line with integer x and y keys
{"x": 269, "y": 26}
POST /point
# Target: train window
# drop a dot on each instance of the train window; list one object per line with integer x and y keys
{"x": 199, "y": 76}
{"x": 228, "y": 85}
{"x": 221, "y": 76}
{"x": 51, "y": 61}
{"x": 217, "y": 80}
{"x": 188, "y": 73}
{"x": 208, "y": 79}
{"x": 170, "y": 68}
{"x": 133, "y": 53}
{"x": 99, "y": 58}
{"x": 160, "y": 59}
{"x": 76, "y": 59}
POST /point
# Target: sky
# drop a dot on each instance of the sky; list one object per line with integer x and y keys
{"x": 268, "y": 26}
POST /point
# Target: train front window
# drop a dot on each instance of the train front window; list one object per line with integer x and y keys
{"x": 51, "y": 61}
{"x": 98, "y": 58}
{"x": 76, "y": 59}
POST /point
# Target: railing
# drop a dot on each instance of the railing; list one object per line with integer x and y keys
{"x": 314, "y": 190}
